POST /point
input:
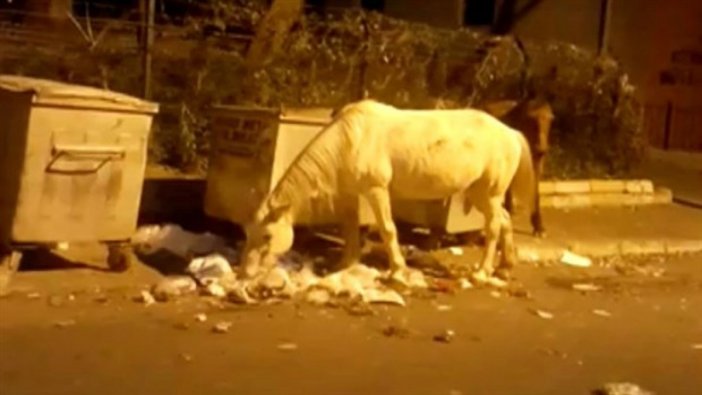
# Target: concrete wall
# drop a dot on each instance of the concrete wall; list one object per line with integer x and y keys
{"x": 442, "y": 13}
{"x": 573, "y": 21}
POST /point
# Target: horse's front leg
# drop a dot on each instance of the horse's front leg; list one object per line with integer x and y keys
{"x": 537, "y": 223}
{"x": 350, "y": 231}
{"x": 379, "y": 199}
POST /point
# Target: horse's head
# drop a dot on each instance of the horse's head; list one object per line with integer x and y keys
{"x": 268, "y": 235}
{"x": 540, "y": 111}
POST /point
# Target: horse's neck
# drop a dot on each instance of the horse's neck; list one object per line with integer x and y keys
{"x": 311, "y": 175}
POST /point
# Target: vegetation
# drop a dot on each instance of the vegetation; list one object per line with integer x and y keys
{"x": 330, "y": 59}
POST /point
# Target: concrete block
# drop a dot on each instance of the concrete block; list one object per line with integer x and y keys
{"x": 547, "y": 187}
{"x": 639, "y": 186}
{"x": 565, "y": 201}
{"x": 607, "y": 199}
{"x": 572, "y": 187}
{"x": 538, "y": 253}
{"x": 595, "y": 248}
{"x": 641, "y": 247}
{"x": 607, "y": 186}
{"x": 679, "y": 246}
{"x": 647, "y": 186}
{"x": 662, "y": 196}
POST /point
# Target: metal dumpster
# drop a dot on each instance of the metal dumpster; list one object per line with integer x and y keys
{"x": 72, "y": 162}
{"x": 253, "y": 147}
{"x": 251, "y": 150}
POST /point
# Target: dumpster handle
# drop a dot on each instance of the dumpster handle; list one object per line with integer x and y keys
{"x": 102, "y": 153}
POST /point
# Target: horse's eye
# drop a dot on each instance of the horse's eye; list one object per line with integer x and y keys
{"x": 267, "y": 237}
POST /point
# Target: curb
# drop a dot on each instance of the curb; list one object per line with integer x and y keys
{"x": 602, "y": 193}
{"x": 533, "y": 252}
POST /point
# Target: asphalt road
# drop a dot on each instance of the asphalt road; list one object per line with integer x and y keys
{"x": 644, "y": 326}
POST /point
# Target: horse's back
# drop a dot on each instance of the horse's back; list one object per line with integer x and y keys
{"x": 431, "y": 154}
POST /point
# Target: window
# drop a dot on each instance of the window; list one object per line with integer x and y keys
{"x": 373, "y": 5}
{"x": 478, "y": 12}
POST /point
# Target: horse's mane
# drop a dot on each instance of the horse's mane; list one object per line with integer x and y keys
{"x": 311, "y": 180}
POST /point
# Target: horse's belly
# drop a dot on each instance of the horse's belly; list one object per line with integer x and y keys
{"x": 433, "y": 182}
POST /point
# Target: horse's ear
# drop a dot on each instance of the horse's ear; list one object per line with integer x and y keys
{"x": 500, "y": 108}
{"x": 277, "y": 212}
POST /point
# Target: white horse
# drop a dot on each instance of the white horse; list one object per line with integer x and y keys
{"x": 377, "y": 151}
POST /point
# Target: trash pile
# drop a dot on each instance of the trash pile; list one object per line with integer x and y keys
{"x": 209, "y": 271}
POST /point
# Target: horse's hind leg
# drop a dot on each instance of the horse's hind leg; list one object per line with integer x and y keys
{"x": 379, "y": 199}
{"x": 492, "y": 209}
{"x": 509, "y": 253}
{"x": 350, "y": 230}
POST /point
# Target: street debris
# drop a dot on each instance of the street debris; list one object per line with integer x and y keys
{"x": 586, "y": 287}
{"x": 55, "y": 301}
{"x": 394, "y": 330}
{"x": 173, "y": 287}
{"x": 222, "y": 327}
{"x": 318, "y": 296}
{"x": 33, "y": 295}
{"x": 383, "y": 296}
{"x": 458, "y": 251}
{"x": 621, "y": 389}
{"x": 64, "y": 323}
{"x": 174, "y": 239}
{"x": 287, "y": 346}
{"x": 601, "y": 313}
{"x": 697, "y": 346}
{"x": 464, "y": 284}
{"x": 519, "y": 293}
{"x": 542, "y": 314}
{"x": 421, "y": 231}
{"x": 210, "y": 268}
{"x": 444, "y": 307}
{"x": 215, "y": 289}
{"x": 186, "y": 357}
{"x": 445, "y": 336}
{"x": 146, "y": 298}
{"x": 201, "y": 317}
{"x": 572, "y": 259}
{"x": 293, "y": 277}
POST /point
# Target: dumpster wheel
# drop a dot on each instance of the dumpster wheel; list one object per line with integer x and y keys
{"x": 9, "y": 263}
{"x": 120, "y": 257}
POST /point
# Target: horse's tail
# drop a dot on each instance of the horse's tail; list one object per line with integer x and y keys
{"x": 524, "y": 186}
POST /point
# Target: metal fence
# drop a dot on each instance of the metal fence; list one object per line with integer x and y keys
{"x": 674, "y": 127}
{"x": 326, "y": 60}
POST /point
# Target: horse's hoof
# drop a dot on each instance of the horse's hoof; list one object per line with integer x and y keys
{"x": 539, "y": 233}
{"x": 479, "y": 278}
{"x": 497, "y": 282}
{"x": 503, "y": 274}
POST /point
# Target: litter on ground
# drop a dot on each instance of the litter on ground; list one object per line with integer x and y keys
{"x": 572, "y": 259}
{"x": 586, "y": 287}
{"x": 621, "y": 389}
{"x": 287, "y": 346}
{"x": 222, "y": 327}
{"x": 543, "y": 314}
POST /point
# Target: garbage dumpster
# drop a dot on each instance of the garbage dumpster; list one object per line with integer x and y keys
{"x": 72, "y": 162}
{"x": 253, "y": 147}
{"x": 251, "y": 150}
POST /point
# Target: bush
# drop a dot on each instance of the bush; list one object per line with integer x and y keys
{"x": 328, "y": 60}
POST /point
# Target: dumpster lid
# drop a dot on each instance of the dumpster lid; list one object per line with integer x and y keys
{"x": 61, "y": 92}
{"x": 305, "y": 115}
